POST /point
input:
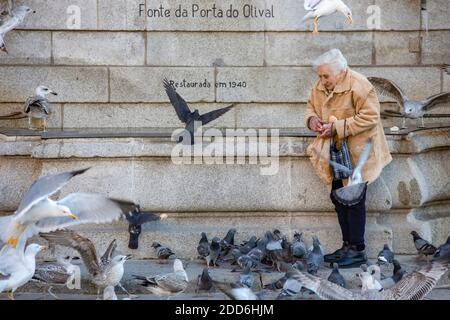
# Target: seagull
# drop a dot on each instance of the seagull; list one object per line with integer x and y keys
{"x": 104, "y": 271}
{"x": 109, "y": 293}
{"x": 411, "y": 109}
{"x": 413, "y": 286}
{"x": 38, "y": 106}
{"x": 61, "y": 273}
{"x": 167, "y": 284}
{"x": 322, "y": 8}
{"x": 136, "y": 218}
{"x": 38, "y": 213}
{"x": 352, "y": 193}
{"x": 10, "y": 22}
{"x": 424, "y": 248}
{"x": 162, "y": 252}
{"x": 386, "y": 255}
{"x": 186, "y": 116}
{"x": 203, "y": 246}
{"x": 17, "y": 266}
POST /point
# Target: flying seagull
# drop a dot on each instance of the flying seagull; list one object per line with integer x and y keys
{"x": 410, "y": 108}
{"x": 413, "y": 286}
{"x": 321, "y": 8}
{"x": 191, "y": 119}
{"x": 353, "y": 192}
{"x": 105, "y": 271}
{"x": 38, "y": 213}
{"x": 167, "y": 284}
{"x": 136, "y": 218}
{"x": 38, "y": 106}
{"x": 10, "y": 22}
{"x": 17, "y": 266}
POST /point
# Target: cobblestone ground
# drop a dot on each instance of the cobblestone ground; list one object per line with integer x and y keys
{"x": 34, "y": 291}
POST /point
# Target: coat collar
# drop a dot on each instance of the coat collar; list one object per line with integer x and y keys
{"x": 343, "y": 86}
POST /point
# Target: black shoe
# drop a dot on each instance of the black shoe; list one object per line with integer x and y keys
{"x": 352, "y": 259}
{"x": 338, "y": 254}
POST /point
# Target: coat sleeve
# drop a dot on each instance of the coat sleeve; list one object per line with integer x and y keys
{"x": 310, "y": 109}
{"x": 366, "y": 117}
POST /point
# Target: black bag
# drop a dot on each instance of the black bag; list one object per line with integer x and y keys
{"x": 341, "y": 155}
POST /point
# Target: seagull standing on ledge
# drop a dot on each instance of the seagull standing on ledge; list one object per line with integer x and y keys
{"x": 322, "y": 8}
{"x": 38, "y": 106}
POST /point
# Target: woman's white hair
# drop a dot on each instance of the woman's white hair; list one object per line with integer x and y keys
{"x": 334, "y": 58}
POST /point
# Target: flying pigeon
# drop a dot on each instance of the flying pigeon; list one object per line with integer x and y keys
{"x": 187, "y": 116}
{"x": 321, "y": 8}
{"x": 410, "y": 108}
{"x": 136, "y": 218}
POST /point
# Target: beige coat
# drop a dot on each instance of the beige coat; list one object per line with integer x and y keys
{"x": 355, "y": 100}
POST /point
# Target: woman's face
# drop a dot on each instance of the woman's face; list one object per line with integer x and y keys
{"x": 328, "y": 77}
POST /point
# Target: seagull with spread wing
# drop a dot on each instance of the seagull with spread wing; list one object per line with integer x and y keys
{"x": 411, "y": 109}
{"x": 321, "y": 8}
{"x": 38, "y": 213}
{"x": 105, "y": 271}
{"x": 190, "y": 118}
{"x": 413, "y": 286}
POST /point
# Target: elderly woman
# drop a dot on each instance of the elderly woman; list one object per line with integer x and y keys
{"x": 343, "y": 105}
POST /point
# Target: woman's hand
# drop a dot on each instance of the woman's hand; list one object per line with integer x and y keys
{"x": 315, "y": 124}
{"x": 328, "y": 130}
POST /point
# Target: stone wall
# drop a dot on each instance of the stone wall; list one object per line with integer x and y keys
{"x": 109, "y": 72}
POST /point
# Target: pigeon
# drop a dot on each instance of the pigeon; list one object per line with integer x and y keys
{"x": 17, "y": 266}
{"x": 298, "y": 246}
{"x": 353, "y": 192}
{"x": 246, "y": 278}
{"x": 291, "y": 287}
{"x": 424, "y": 248}
{"x": 10, "y": 22}
{"x": 162, "y": 252}
{"x": 243, "y": 260}
{"x": 321, "y": 8}
{"x": 385, "y": 256}
{"x": 227, "y": 243}
{"x": 315, "y": 257}
{"x": 410, "y": 108}
{"x": 237, "y": 292}
{"x": 274, "y": 249}
{"x": 61, "y": 273}
{"x": 248, "y": 246}
{"x": 37, "y": 212}
{"x": 413, "y": 286}
{"x": 136, "y": 218}
{"x": 204, "y": 281}
{"x": 203, "y": 247}
{"x": 104, "y": 271}
{"x": 167, "y": 284}
{"x": 191, "y": 119}
{"x": 38, "y": 106}
{"x": 259, "y": 252}
{"x": 214, "y": 252}
{"x": 443, "y": 249}
{"x": 368, "y": 281}
{"x": 386, "y": 283}
{"x": 336, "y": 277}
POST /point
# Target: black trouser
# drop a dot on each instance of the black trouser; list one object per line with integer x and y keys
{"x": 352, "y": 219}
